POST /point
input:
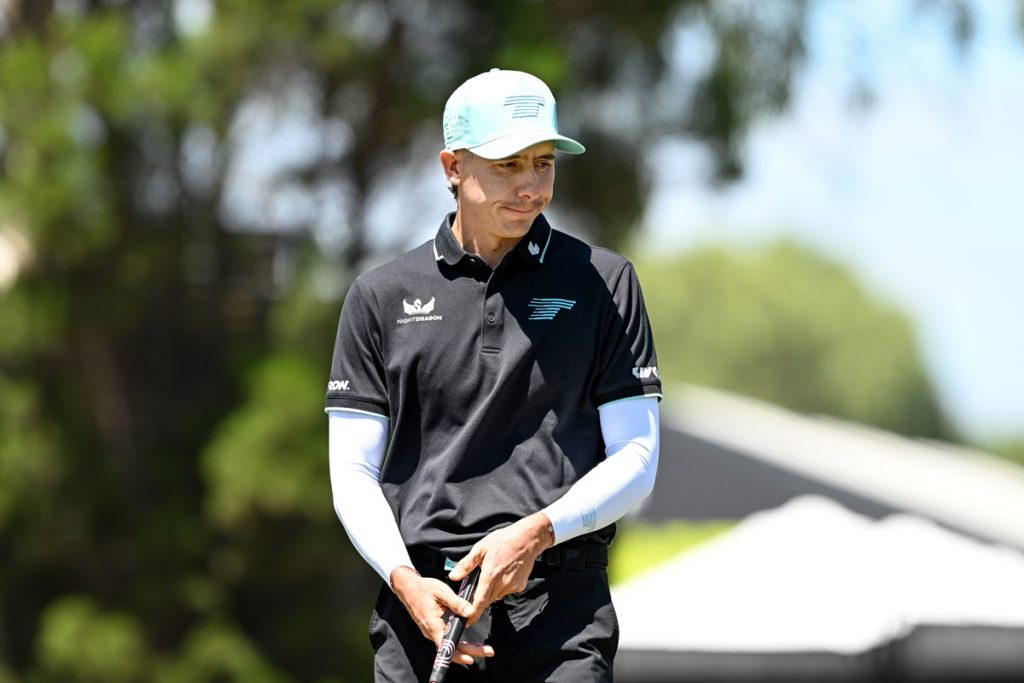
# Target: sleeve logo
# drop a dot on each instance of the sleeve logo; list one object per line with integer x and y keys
{"x": 338, "y": 385}
{"x": 646, "y": 373}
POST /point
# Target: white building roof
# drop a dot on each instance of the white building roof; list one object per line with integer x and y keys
{"x": 968, "y": 490}
{"x": 812, "y": 576}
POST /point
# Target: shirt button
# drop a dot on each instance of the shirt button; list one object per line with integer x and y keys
{"x": 491, "y": 318}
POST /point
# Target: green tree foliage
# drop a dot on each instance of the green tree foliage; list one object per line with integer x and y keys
{"x": 164, "y": 503}
{"x": 789, "y": 326}
{"x": 77, "y": 640}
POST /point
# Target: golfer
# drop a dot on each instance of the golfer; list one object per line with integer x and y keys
{"x": 493, "y": 403}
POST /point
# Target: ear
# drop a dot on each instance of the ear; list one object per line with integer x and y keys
{"x": 450, "y": 163}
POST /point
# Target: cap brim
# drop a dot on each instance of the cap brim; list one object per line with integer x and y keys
{"x": 514, "y": 143}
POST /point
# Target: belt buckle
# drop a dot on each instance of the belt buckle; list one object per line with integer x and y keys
{"x": 566, "y": 558}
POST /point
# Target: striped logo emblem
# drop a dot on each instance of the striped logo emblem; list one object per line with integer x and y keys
{"x": 525, "y": 106}
{"x": 548, "y": 308}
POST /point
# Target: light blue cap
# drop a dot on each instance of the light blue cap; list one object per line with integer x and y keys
{"x": 498, "y": 113}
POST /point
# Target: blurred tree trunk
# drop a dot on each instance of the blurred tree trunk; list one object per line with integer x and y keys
{"x": 26, "y": 14}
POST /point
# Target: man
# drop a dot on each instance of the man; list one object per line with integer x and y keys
{"x": 493, "y": 402}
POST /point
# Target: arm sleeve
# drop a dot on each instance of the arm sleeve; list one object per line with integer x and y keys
{"x": 624, "y": 478}
{"x": 356, "y": 445}
{"x": 627, "y": 361}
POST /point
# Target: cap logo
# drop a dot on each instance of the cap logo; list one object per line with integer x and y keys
{"x": 457, "y": 128}
{"x": 524, "y": 106}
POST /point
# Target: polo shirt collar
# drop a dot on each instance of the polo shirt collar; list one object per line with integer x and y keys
{"x": 532, "y": 248}
{"x": 534, "y": 245}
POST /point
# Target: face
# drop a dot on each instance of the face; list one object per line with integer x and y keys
{"x": 502, "y": 196}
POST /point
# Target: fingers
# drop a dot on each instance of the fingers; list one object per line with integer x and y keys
{"x": 467, "y": 651}
{"x": 427, "y": 607}
{"x": 481, "y": 600}
{"x": 449, "y": 599}
{"x": 482, "y": 596}
{"x": 475, "y": 650}
{"x": 467, "y": 564}
{"x": 459, "y": 658}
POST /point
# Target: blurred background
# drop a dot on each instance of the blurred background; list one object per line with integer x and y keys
{"x": 823, "y": 202}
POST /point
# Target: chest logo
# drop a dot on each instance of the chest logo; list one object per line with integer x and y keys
{"x": 418, "y": 312}
{"x": 417, "y": 307}
{"x": 546, "y": 308}
{"x": 533, "y": 248}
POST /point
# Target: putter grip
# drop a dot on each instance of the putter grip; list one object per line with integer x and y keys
{"x": 453, "y": 631}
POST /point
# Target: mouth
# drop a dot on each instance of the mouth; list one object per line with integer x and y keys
{"x": 520, "y": 210}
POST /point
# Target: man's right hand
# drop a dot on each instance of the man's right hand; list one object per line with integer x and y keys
{"x": 426, "y": 601}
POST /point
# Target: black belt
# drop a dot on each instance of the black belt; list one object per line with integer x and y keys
{"x": 575, "y": 556}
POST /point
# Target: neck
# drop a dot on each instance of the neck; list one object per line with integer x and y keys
{"x": 489, "y": 247}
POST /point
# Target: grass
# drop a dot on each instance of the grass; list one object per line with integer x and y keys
{"x": 639, "y": 546}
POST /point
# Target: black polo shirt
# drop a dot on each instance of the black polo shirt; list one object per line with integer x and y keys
{"x": 491, "y": 378}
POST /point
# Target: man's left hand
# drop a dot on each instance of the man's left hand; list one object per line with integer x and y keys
{"x": 506, "y": 558}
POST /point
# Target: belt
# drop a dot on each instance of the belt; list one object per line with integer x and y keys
{"x": 575, "y": 556}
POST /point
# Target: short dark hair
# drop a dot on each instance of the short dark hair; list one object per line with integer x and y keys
{"x": 454, "y": 190}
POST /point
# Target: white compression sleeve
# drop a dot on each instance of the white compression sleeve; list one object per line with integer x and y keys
{"x": 356, "y": 445}
{"x": 622, "y": 480}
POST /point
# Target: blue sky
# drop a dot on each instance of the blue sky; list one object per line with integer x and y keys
{"x": 922, "y": 194}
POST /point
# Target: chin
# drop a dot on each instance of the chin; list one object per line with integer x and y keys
{"x": 519, "y": 223}
{"x": 518, "y": 228}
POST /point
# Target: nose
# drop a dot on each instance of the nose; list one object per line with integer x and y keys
{"x": 530, "y": 184}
